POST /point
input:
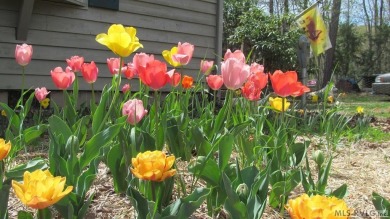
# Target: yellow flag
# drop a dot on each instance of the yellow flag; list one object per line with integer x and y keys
{"x": 312, "y": 23}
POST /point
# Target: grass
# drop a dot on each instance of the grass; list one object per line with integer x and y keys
{"x": 374, "y": 105}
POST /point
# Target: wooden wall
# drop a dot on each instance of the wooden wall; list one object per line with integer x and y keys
{"x": 58, "y": 31}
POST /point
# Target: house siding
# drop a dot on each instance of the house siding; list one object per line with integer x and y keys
{"x": 58, "y": 31}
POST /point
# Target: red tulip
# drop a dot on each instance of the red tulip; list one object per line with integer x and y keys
{"x": 175, "y": 79}
{"x": 238, "y": 54}
{"x": 90, "y": 72}
{"x": 75, "y": 62}
{"x": 154, "y": 74}
{"x": 135, "y": 111}
{"x": 184, "y": 53}
{"x": 113, "y": 65}
{"x": 23, "y": 54}
{"x": 41, "y": 93}
{"x": 140, "y": 60}
{"x": 252, "y": 88}
{"x": 234, "y": 73}
{"x": 62, "y": 79}
{"x": 187, "y": 82}
{"x": 286, "y": 84}
{"x": 129, "y": 71}
{"x": 215, "y": 82}
{"x": 206, "y": 66}
{"x": 126, "y": 88}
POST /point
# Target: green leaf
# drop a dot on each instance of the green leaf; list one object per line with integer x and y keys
{"x": 207, "y": 170}
{"x": 299, "y": 151}
{"x": 219, "y": 120}
{"x": 17, "y": 172}
{"x": 340, "y": 192}
{"x": 323, "y": 177}
{"x": 4, "y": 196}
{"x": 115, "y": 161}
{"x": 225, "y": 146}
{"x": 93, "y": 146}
{"x": 233, "y": 205}
{"x": 139, "y": 202}
{"x": 59, "y": 127}
{"x": 13, "y": 118}
{"x": 202, "y": 144}
{"x": 69, "y": 109}
{"x": 100, "y": 111}
{"x": 381, "y": 205}
{"x": 24, "y": 215}
{"x": 34, "y": 132}
{"x": 257, "y": 199}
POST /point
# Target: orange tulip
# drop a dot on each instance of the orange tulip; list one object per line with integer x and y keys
{"x": 154, "y": 74}
{"x": 187, "y": 82}
{"x": 215, "y": 82}
{"x": 4, "y": 148}
{"x": 286, "y": 84}
{"x": 252, "y": 88}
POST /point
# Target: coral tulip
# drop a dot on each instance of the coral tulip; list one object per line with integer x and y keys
{"x": 90, "y": 72}
{"x": 215, "y": 82}
{"x": 113, "y": 65}
{"x": 129, "y": 71}
{"x": 5, "y": 148}
{"x": 40, "y": 189}
{"x": 62, "y": 79}
{"x": 252, "y": 88}
{"x": 234, "y": 73}
{"x": 304, "y": 207}
{"x": 184, "y": 53}
{"x": 154, "y": 74}
{"x": 120, "y": 40}
{"x": 153, "y": 166}
{"x": 125, "y": 88}
{"x": 141, "y": 59}
{"x": 75, "y": 62}
{"x": 206, "y": 66}
{"x": 45, "y": 103}
{"x": 187, "y": 82}
{"x": 286, "y": 84}
{"x": 238, "y": 54}
{"x": 135, "y": 111}
{"x": 279, "y": 104}
{"x": 41, "y": 93}
{"x": 168, "y": 54}
{"x": 257, "y": 68}
{"x": 23, "y": 54}
{"x": 175, "y": 79}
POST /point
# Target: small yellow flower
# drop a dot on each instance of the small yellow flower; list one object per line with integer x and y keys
{"x": 277, "y": 104}
{"x": 45, "y": 103}
{"x": 167, "y": 54}
{"x": 330, "y": 99}
{"x": 3, "y": 113}
{"x": 314, "y": 98}
{"x": 120, "y": 40}
{"x": 360, "y": 110}
{"x": 153, "y": 166}
{"x": 4, "y": 148}
{"x": 40, "y": 189}
{"x": 304, "y": 207}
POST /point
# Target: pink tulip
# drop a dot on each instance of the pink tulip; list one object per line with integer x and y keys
{"x": 62, "y": 79}
{"x": 215, "y": 82}
{"x": 129, "y": 71}
{"x": 238, "y": 54}
{"x": 206, "y": 66}
{"x": 75, "y": 62}
{"x": 141, "y": 59}
{"x": 113, "y": 65}
{"x": 234, "y": 73}
{"x": 90, "y": 72}
{"x": 135, "y": 111}
{"x": 23, "y": 54}
{"x": 126, "y": 88}
{"x": 257, "y": 68}
{"x": 184, "y": 53}
{"x": 41, "y": 93}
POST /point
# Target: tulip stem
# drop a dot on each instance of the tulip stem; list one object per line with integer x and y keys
{"x": 215, "y": 101}
{"x": 23, "y": 79}
{"x": 40, "y": 112}
{"x": 44, "y": 213}
{"x": 93, "y": 104}
{"x": 2, "y": 170}
{"x": 156, "y": 103}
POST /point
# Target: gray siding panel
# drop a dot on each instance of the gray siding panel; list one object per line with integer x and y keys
{"x": 60, "y": 31}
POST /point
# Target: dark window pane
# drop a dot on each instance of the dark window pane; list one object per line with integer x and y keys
{"x": 109, "y": 4}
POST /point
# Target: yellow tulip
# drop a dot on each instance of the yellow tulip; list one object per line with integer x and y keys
{"x": 120, "y": 40}
{"x": 45, "y": 103}
{"x": 153, "y": 166}
{"x": 330, "y": 99}
{"x": 3, "y": 113}
{"x": 4, "y": 148}
{"x": 360, "y": 110}
{"x": 314, "y": 98}
{"x": 277, "y": 104}
{"x": 168, "y": 56}
{"x": 40, "y": 189}
{"x": 304, "y": 207}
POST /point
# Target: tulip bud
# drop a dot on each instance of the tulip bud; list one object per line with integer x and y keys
{"x": 243, "y": 192}
{"x": 318, "y": 157}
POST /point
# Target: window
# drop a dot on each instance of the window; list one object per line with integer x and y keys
{"x": 108, "y": 4}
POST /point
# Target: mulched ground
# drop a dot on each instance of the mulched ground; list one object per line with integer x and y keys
{"x": 364, "y": 166}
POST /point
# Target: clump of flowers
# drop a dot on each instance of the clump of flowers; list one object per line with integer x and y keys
{"x": 153, "y": 166}
{"x": 40, "y": 189}
{"x": 305, "y": 207}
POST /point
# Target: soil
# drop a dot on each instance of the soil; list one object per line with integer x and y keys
{"x": 364, "y": 166}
